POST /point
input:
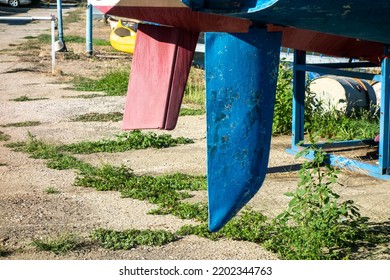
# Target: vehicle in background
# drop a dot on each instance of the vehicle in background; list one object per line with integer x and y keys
{"x": 15, "y": 3}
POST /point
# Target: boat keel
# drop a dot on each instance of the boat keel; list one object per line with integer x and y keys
{"x": 159, "y": 72}
{"x": 241, "y": 76}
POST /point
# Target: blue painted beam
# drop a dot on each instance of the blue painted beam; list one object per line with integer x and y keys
{"x": 345, "y": 65}
{"x": 299, "y": 89}
{"x": 347, "y": 163}
{"x": 384, "y": 140}
{"x": 240, "y": 98}
{"x": 350, "y": 18}
{"x": 338, "y": 72}
{"x": 343, "y": 144}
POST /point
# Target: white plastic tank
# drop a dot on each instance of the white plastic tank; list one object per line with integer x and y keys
{"x": 377, "y": 86}
{"x": 343, "y": 94}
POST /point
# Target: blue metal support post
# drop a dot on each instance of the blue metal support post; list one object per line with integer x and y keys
{"x": 299, "y": 88}
{"x": 60, "y": 27}
{"x": 384, "y": 141}
{"x": 89, "y": 28}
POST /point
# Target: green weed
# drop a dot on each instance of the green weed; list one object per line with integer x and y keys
{"x": 85, "y": 96}
{"x": 192, "y": 112}
{"x": 339, "y": 126}
{"x": 316, "y": 225}
{"x": 4, "y": 136}
{"x": 196, "y": 211}
{"x": 249, "y": 226}
{"x": 330, "y": 124}
{"x": 46, "y": 39}
{"x": 126, "y": 141}
{"x": 195, "y": 90}
{"x": 282, "y": 122}
{"x": 40, "y": 150}
{"x": 26, "y": 98}
{"x": 51, "y": 190}
{"x": 22, "y": 124}
{"x": 113, "y": 83}
{"x": 60, "y": 245}
{"x": 96, "y": 117}
{"x": 125, "y": 240}
{"x": 165, "y": 191}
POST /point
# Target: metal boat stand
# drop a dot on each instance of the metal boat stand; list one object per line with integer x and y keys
{"x": 381, "y": 170}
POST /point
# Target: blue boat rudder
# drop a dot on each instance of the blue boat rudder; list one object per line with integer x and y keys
{"x": 241, "y": 76}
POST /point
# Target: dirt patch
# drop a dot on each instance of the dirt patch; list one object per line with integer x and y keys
{"x": 28, "y": 212}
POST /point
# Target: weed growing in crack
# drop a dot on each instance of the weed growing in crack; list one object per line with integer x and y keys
{"x": 128, "y": 239}
{"x": 22, "y": 124}
{"x": 26, "y": 98}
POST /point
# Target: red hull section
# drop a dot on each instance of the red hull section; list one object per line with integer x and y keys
{"x": 187, "y": 19}
{"x": 182, "y": 18}
{"x": 160, "y": 68}
{"x": 328, "y": 44}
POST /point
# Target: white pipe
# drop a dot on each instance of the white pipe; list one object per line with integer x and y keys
{"x": 26, "y": 18}
{"x": 52, "y": 19}
{"x": 53, "y": 49}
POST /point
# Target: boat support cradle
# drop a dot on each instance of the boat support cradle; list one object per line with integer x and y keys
{"x": 381, "y": 170}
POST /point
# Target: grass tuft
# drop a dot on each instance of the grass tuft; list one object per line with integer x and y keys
{"x": 113, "y": 83}
{"x": 249, "y": 226}
{"x": 40, "y": 150}
{"x": 46, "y": 39}
{"x": 24, "y": 98}
{"x": 96, "y": 117}
{"x": 126, "y": 141}
{"x": 60, "y": 245}
{"x": 85, "y": 96}
{"x": 51, "y": 190}
{"x": 4, "y": 137}
{"x": 22, "y": 124}
{"x": 192, "y": 112}
{"x": 125, "y": 240}
{"x": 195, "y": 92}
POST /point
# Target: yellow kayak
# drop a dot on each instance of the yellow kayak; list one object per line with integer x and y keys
{"x": 123, "y": 38}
